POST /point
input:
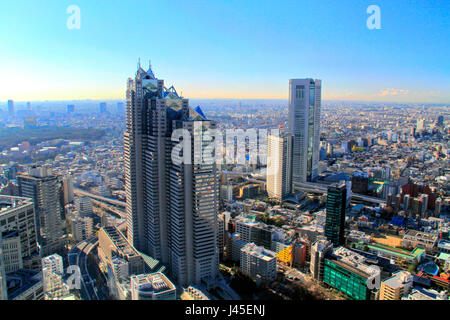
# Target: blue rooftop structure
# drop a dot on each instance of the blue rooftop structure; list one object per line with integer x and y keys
{"x": 199, "y": 111}
{"x": 398, "y": 221}
{"x": 170, "y": 93}
{"x": 429, "y": 267}
{"x": 196, "y": 114}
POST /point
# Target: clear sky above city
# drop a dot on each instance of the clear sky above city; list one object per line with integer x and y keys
{"x": 226, "y": 49}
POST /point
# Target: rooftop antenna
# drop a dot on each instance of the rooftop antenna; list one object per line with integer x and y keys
{"x": 150, "y": 64}
{"x": 139, "y": 63}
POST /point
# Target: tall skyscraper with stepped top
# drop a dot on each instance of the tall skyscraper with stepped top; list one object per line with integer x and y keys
{"x": 304, "y": 126}
{"x": 171, "y": 207}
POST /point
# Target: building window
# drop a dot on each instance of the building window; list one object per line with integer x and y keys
{"x": 300, "y": 92}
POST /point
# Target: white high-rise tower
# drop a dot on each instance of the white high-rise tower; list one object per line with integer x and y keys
{"x": 279, "y": 173}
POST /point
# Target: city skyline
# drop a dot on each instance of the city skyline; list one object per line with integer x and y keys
{"x": 391, "y": 64}
{"x": 289, "y": 150}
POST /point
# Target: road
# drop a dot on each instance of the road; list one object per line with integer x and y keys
{"x": 323, "y": 189}
{"x": 78, "y": 256}
{"x": 110, "y": 208}
{"x": 79, "y": 192}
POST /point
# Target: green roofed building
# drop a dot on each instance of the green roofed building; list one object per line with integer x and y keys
{"x": 403, "y": 257}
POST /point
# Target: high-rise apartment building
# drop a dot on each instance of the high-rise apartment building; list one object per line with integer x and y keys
{"x": 440, "y": 121}
{"x": 46, "y": 191}
{"x": 68, "y": 189}
{"x": 102, "y": 107}
{"x": 83, "y": 205}
{"x": 420, "y": 125}
{"x": 279, "y": 157}
{"x": 335, "y": 219}
{"x": 171, "y": 206}
{"x": 304, "y": 126}
{"x": 70, "y": 108}
{"x": 18, "y": 229}
{"x": 120, "y": 107}
{"x": 11, "y": 107}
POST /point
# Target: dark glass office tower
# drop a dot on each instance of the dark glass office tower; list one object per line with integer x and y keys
{"x": 335, "y": 220}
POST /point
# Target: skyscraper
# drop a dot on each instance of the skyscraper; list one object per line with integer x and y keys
{"x": 18, "y": 229}
{"x": 304, "y": 126}
{"x": 171, "y": 207}
{"x": 420, "y": 125}
{"x": 120, "y": 107}
{"x": 335, "y": 219}
{"x": 11, "y": 107}
{"x": 102, "y": 107}
{"x": 70, "y": 108}
{"x": 45, "y": 189}
{"x": 279, "y": 171}
{"x": 68, "y": 189}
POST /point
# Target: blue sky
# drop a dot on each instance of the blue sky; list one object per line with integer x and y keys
{"x": 226, "y": 49}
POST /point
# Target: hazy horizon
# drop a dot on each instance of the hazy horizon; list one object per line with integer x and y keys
{"x": 252, "y": 56}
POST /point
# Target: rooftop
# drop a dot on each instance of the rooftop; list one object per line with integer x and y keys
{"x": 259, "y": 252}
{"x": 120, "y": 242}
{"x": 353, "y": 260}
{"x": 420, "y": 234}
{"x": 397, "y": 251}
{"x": 399, "y": 279}
{"x": 9, "y": 202}
{"x": 21, "y": 281}
{"x": 154, "y": 283}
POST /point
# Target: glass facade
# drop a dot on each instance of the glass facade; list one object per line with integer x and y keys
{"x": 335, "y": 217}
{"x": 150, "y": 86}
{"x": 346, "y": 281}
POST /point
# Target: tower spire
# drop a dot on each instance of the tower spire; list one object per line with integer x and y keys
{"x": 139, "y": 63}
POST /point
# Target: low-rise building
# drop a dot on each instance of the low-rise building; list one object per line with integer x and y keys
{"x": 155, "y": 286}
{"x": 349, "y": 273}
{"x": 419, "y": 239}
{"x": 258, "y": 262}
{"x": 397, "y": 286}
{"x": 418, "y": 293}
